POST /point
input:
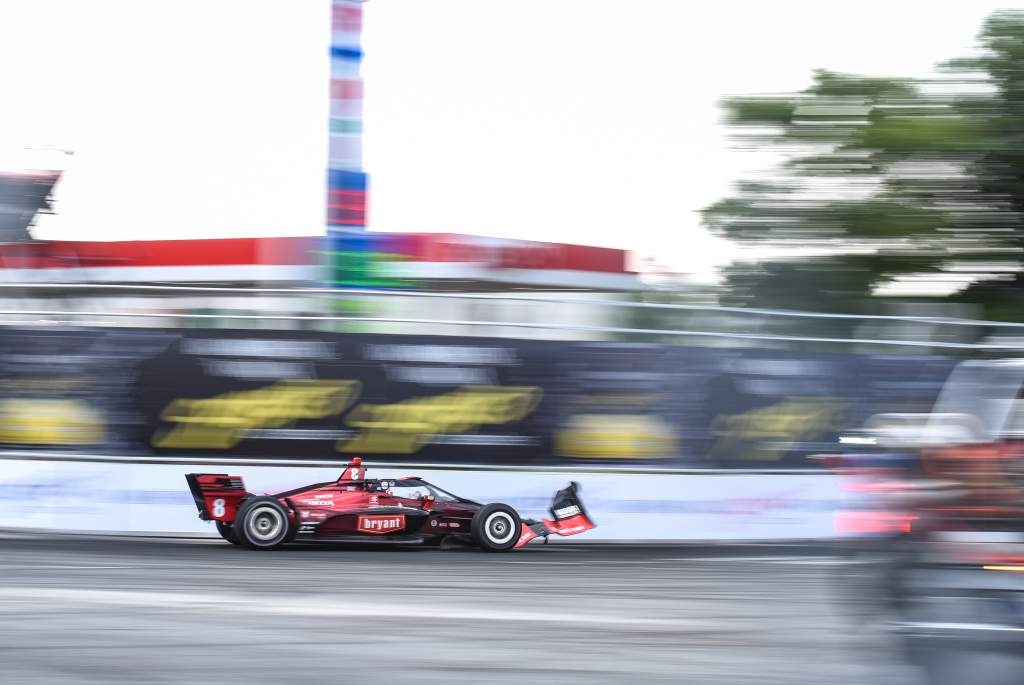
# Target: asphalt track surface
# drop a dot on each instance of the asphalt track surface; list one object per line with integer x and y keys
{"x": 88, "y": 610}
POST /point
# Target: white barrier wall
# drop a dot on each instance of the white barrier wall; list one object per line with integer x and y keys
{"x": 154, "y": 498}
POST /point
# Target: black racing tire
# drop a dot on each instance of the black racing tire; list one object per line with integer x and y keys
{"x": 227, "y": 531}
{"x": 262, "y": 523}
{"x": 495, "y": 528}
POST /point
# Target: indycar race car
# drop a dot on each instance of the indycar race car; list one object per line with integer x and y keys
{"x": 355, "y": 507}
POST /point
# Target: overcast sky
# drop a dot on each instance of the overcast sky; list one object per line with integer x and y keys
{"x": 590, "y": 121}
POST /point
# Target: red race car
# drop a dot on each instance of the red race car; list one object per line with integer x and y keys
{"x": 356, "y": 507}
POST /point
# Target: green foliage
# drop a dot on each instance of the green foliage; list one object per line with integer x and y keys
{"x": 831, "y": 84}
{"x": 759, "y": 111}
{"x": 886, "y": 177}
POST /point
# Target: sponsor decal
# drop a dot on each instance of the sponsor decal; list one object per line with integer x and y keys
{"x": 319, "y": 502}
{"x": 453, "y": 524}
{"x": 566, "y": 512}
{"x": 381, "y": 524}
{"x": 433, "y": 524}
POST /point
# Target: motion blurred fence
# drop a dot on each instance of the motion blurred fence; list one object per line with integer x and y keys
{"x": 543, "y": 315}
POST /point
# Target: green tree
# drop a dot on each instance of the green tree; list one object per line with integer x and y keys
{"x": 884, "y": 178}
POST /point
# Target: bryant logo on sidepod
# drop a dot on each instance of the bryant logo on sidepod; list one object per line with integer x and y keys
{"x": 381, "y": 524}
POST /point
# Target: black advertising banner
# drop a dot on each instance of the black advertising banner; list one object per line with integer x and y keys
{"x": 439, "y": 399}
{"x": 73, "y": 389}
{"x": 281, "y": 394}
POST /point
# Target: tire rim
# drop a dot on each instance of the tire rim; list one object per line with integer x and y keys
{"x": 264, "y": 524}
{"x": 499, "y": 527}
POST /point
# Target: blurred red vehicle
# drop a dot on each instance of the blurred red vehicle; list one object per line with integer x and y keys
{"x": 942, "y": 513}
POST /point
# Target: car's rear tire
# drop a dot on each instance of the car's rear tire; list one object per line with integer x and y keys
{"x": 227, "y": 531}
{"x": 495, "y": 528}
{"x": 262, "y": 523}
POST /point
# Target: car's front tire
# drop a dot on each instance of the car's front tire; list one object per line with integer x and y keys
{"x": 495, "y": 528}
{"x": 263, "y": 523}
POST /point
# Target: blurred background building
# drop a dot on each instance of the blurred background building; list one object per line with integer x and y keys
{"x": 104, "y": 279}
{"x": 23, "y": 194}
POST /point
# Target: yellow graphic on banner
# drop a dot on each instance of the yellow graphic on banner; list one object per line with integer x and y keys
{"x": 404, "y": 427}
{"x": 221, "y": 422}
{"x": 42, "y": 421}
{"x": 768, "y": 433}
{"x": 616, "y": 436}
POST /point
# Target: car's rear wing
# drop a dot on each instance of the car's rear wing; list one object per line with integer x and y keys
{"x": 216, "y": 495}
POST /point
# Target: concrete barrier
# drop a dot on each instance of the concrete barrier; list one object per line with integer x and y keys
{"x": 121, "y": 495}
